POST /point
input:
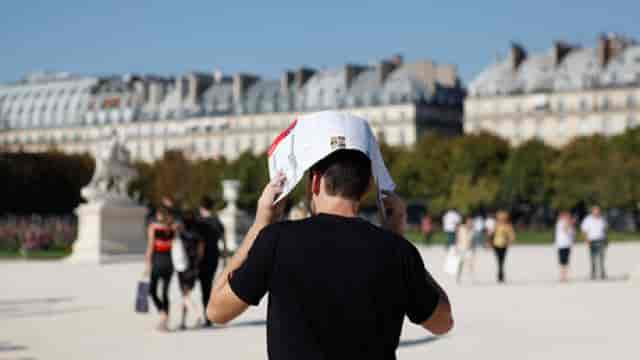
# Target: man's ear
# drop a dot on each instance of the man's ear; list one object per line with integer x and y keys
{"x": 315, "y": 183}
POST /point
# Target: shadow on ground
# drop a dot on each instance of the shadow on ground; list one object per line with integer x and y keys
{"x": 610, "y": 279}
{"x": 235, "y": 324}
{"x": 37, "y": 307}
{"x": 416, "y": 342}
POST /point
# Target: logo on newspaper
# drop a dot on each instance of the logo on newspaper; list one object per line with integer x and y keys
{"x": 338, "y": 142}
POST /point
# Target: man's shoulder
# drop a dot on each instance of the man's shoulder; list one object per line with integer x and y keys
{"x": 286, "y": 228}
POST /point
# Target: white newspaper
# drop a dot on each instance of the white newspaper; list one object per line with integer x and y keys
{"x": 313, "y": 137}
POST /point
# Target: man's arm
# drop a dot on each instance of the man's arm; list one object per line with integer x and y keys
{"x": 224, "y": 305}
{"x": 441, "y": 320}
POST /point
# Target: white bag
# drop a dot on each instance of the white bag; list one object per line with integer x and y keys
{"x": 179, "y": 255}
{"x": 452, "y": 262}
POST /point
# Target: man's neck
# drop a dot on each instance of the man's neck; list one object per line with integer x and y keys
{"x": 337, "y": 206}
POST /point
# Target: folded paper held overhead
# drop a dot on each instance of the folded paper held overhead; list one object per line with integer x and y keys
{"x": 312, "y": 137}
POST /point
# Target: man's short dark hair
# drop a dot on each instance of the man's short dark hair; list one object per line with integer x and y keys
{"x": 206, "y": 202}
{"x": 347, "y": 173}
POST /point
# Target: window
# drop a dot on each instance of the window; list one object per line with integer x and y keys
{"x": 605, "y": 103}
{"x": 560, "y": 105}
{"x": 583, "y": 104}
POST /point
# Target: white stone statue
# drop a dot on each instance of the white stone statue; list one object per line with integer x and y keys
{"x": 111, "y": 226}
{"x": 112, "y": 175}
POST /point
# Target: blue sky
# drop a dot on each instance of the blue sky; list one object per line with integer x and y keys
{"x": 267, "y": 37}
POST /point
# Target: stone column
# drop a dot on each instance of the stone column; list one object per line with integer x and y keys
{"x": 235, "y": 221}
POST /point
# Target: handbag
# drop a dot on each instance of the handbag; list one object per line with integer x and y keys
{"x": 452, "y": 262}
{"x": 142, "y": 296}
{"x": 179, "y": 255}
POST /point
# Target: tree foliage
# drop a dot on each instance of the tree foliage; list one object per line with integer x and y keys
{"x": 469, "y": 173}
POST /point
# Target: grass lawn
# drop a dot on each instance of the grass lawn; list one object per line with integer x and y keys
{"x": 522, "y": 237}
{"x": 51, "y": 254}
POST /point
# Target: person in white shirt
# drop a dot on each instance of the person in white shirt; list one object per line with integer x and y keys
{"x": 450, "y": 222}
{"x": 564, "y": 237}
{"x": 594, "y": 227}
{"x": 478, "y": 231}
{"x": 465, "y": 247}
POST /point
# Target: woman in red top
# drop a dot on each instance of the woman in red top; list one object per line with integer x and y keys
{"x": 160, "y": 234}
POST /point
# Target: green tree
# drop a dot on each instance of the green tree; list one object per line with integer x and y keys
{"x": 579, "y": 172}
{"x": 524, "y": 174}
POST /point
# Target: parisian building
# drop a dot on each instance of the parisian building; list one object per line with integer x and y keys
{"x": 559, "y": 94}
{"x": 212, "y": 115}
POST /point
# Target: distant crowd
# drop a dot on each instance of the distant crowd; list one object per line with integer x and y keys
{"x": 465, "y": 234}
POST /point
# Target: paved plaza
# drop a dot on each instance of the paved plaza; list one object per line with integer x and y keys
{"x": 56, "y": 310}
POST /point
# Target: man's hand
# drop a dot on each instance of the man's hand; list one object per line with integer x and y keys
{"x": 396, "y": 211}
{"x": 267, "y": 212}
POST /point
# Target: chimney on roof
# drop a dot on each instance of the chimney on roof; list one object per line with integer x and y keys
{"x": 351, "y": 71}
{"x": 155, "y": 92}
{"x": 396, "y": 60}
{"x": 286, "y": 80}
{"x": 610, "y": 46}
{"x": 560, "y": 50}
{"x": 302, "y": 75}
{"x": 182, "y": 86}
{"x": 196, "y": 85}
{"x": 384, "y": 68}
{"x": 517, "y": 55}
{"x": 447, "y": 75}
{"x": 217, "y": 76}
{"x": 242, "y": 82}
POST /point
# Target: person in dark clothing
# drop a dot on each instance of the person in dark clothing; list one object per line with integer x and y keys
{"x": 350, "y": 308}
{"x": 212, "y": 232}
{"x": 194, "y": 249}
{"x": 160, "y": 234}
{"x": 173, "y": 207}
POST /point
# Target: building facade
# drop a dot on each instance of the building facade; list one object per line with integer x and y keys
{"x": 212, "y": 115}
{"x": 558, "y": 95}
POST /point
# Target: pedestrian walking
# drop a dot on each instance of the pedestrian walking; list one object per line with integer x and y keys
{"x": 450, "y": 222}
{"x": 564, "y": 238}
{"x": 594, "y": 228}
{"x": 339, "y": 287}
{"x": 465, "y": 247}
{"x": 194, "y": 246}
{"x": 160, "y": 234}
{"x": 503, "y": 236}
{"x": 212, "y": 233}
{"x": 478, "y": 231}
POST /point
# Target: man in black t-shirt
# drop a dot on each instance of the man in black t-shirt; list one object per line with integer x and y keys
{"x": 339, "y": 287}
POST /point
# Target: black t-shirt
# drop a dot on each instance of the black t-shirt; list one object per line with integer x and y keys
{"x": 339, "y": 288}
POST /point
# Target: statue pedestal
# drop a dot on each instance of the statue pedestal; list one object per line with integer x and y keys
{"x": 109, "y": 232}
